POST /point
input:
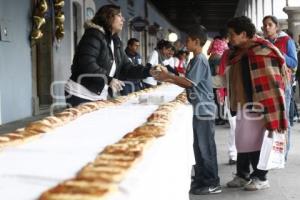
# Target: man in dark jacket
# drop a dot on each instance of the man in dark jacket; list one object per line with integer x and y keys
{"x": 131, "y": 51}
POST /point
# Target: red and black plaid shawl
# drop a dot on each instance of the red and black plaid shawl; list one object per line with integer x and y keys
{"x": 268, "y": 77}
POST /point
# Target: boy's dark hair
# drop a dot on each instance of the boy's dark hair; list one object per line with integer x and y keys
{"x": 240, "y": 24}
{"x": 198, "y": 32}
{"x": 164, "y": 44}
{"x": 105, "y": 15}
{"x": 131, "y": 41}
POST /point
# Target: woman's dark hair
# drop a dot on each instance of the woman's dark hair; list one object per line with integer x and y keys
{"x": 180, "y": 52}
{"x": 105, "y": 16}
{"x": 164, "y": 44}
{"x": 217, "y": 37}
{"x": 223, "y": 33}
{"x": 198, "y": 32}
{"x": 272, "y": 18}
{"x": 240, "y": 24}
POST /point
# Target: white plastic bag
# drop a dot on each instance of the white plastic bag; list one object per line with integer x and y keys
{"x": 272, "y": 153}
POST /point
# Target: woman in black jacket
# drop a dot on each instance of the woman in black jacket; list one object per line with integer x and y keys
{"x": 100, "y": 60}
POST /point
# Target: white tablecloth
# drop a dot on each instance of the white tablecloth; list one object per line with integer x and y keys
{"x": 163, "y": 173}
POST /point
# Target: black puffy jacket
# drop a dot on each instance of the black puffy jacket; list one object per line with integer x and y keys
{"x": 93, "y": 60}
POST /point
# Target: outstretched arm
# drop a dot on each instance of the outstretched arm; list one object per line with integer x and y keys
{"x": 162, "y": 74}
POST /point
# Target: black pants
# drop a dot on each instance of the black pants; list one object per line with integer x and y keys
{"x": 243, "y": 166}
{"x": 146, "y": 85}
{"x": 73, "y": 101}
{"x": 220, "y": 111}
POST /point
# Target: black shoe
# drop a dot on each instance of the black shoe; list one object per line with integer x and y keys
{"x": 195, "y": 184}
{"x": 231, "y": 162}
{"x": 206, "y": 190}
{"x": 220, "y": 122}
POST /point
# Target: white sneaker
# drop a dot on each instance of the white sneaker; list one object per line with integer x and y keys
{"x": 257, "y": 184}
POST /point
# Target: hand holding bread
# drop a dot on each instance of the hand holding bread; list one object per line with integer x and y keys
{"x": 159, "y": 72}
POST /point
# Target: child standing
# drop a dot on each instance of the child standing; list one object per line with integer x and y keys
{"x": 198, "y": 84}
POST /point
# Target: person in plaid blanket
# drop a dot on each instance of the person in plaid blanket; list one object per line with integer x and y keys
{"x": 256, "y": 82}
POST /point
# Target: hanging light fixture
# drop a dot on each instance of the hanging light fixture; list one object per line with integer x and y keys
{"x": 172, "y": 37}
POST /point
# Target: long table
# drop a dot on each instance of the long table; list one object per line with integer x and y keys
{"x": 163, "y": 172}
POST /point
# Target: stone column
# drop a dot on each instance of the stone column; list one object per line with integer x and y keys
{"x": 293, "y": 20}
{"x": 283, "y": 24}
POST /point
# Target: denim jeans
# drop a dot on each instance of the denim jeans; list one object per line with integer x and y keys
{"x": 206, "y": 167}
{"x": 288, "y": 97}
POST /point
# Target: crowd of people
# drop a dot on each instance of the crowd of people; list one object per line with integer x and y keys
{"x": 257, "y": 96}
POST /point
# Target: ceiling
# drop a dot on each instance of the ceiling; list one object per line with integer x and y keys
{"x": 213, "y": 14}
